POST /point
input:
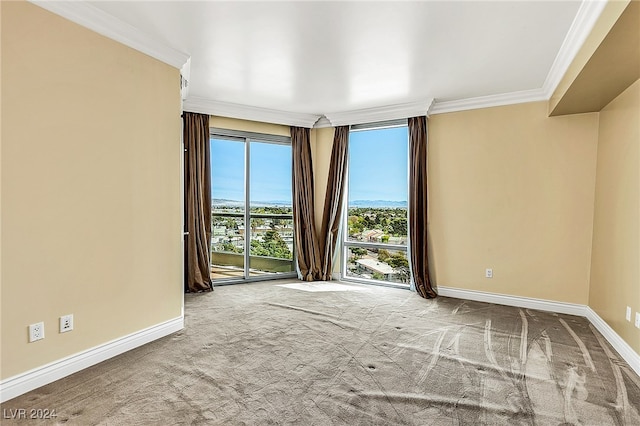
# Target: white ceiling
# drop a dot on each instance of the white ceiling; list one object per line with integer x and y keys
{"x": 332, "y": 56}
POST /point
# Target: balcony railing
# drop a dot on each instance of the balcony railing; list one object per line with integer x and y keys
{"x": 228, "y": 245}
{"x": 229, "y": 265}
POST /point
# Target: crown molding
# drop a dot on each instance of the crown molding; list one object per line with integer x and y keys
{"x": 510, "y": 98}
{"x": 109, "y": 26}
{"x": 316, "y": 121}
{"x": 383, "y": 113}
{"x": 322, "y": 123}
{"x": 582, "y": 25}
{"x": 246, "y": 112}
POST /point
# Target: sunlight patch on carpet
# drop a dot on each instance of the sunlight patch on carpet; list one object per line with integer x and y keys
{"x": 323, "y": 286}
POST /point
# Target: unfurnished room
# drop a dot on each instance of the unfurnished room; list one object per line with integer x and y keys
{"x": 320, "y": 212}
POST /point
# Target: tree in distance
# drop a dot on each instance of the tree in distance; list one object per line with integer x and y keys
{"x": 272, "y": 245}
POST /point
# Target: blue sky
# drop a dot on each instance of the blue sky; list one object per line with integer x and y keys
{"x": 270, "y": 171}
{"x": 378, "y": 163}
{"x": 377, "y": 168}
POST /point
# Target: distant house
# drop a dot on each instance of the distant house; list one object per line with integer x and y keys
{"x": 255, "y": 231}
{"x": 219, "y": 231}
{"x": 375, "y": 266}
{"x": 373, "y": 235}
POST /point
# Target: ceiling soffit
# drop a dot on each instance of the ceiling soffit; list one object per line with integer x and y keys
{"x": 598, "y": 83}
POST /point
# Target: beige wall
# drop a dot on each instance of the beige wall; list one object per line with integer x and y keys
{"x": 249, "y": 126}
{"x": 615, "y": 264}
{"x": 321, "y": 145}
{"x": 91, "y": 208}
{"x": 513, "y": 190}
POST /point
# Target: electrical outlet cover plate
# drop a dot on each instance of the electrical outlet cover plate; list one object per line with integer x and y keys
{"x": 36, "y": 332}
{"x": 488, "y": 273}
{"x": 66, "y": 323}
{"x": 637, "y": 324}
{"x": 627, "y": 315}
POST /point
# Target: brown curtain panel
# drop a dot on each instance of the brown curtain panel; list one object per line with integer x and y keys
{"x": 418, "y": 237}
{"x": 197, "y": 198}
{"x": 306, "y": 240}
{"x": 333, "y": 200}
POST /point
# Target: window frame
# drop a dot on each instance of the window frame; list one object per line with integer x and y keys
{"x": 345, "y": 244}
{"x": 247, "y": 137}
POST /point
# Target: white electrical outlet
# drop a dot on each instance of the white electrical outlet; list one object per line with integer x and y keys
{"x": 66, "y": 323}
{"x": 627, "y": 315}
{"x": 637, "y": 320}
{"x": 36, "y": 332}
{"x": 488, "y": 273}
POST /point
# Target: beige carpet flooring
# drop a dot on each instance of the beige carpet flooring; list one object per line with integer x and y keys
{"x": 329, "y": 353}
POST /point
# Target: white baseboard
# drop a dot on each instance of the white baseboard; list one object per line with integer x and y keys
{"x": 614, "y": 339}
{"x": 25, "y": 382}
{"x": 520, "y": 302}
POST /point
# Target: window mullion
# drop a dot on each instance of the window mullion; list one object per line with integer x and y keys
{"x": 247, "y": 207}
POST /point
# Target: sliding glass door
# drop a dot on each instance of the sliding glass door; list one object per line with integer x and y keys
{"x": 375, "y": 241}
{"x": 270, "y": 208}
{"x": 228, "y": 217}
{"x": 252, "y": 213}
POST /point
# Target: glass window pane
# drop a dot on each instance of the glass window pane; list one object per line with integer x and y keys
{"x": 376, "y": 220}
{"x": 227, "y": 174}
{"x": 378, "y": 264}
{"x": 227, "y": 245}
{"x": 377, "y": 203}
{"x": 227, "y": 201}
{"x": 270, "y": 175}
{"x": 377, "y": 225}
{"x": 271, "y": 213}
